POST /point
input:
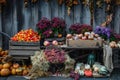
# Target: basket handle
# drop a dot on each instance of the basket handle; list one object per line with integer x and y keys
{"x": 5, "y": 34}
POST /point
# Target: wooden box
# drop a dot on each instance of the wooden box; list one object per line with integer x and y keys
{"x": 84, "y": 43}
{"x": 23, "y": 48}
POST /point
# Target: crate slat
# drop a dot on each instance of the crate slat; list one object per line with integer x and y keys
{"x": 84, "y": 43}
{"x": 24, "y": 43}
{"x": 22, "y": 52}
{"x": 24, "y": 47}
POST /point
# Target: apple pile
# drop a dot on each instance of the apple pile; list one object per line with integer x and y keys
{"x": 85, "y": 36}
{"x": 28, "y": 35}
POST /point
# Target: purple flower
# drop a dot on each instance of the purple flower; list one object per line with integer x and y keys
{"x": 47, "y": 33}
{"x": 103, "y": 31}
{"x": 43, "y": 27}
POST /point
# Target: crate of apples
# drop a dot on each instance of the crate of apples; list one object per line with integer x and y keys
{"x": 88, "y": 39}
{"x": 28, "y": 35}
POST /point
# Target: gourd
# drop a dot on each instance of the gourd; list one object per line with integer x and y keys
{"x": 88, "y": 73}
{"x": 91, "y": 59}
{"x": 81, "y": 72}
{"x": 103, "y": 70}
{"x": 5, "y": 72}
{"x": 6, "y": 65}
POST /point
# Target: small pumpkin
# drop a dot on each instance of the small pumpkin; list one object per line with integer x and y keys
{"x": 87, "y": 66}
{"x": 16, "y": 65}
{"x": 81, "y": 72}
{"x": 96, "y": 69}
{"x": 6, "y": 52}
{"x": 6, "y": 65}
{"x": 5, "y": 72}
{"x": 25, "y": 72}
{"x": 88, "y": 73}
{"x": 24, "y": 67}
{"x": 2, "y": 53}
{"x": 19, "y": 71}
{"x": 13, "y": 72}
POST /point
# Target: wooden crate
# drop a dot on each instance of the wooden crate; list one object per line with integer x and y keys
{"x": 84, "y": 43}
{"x": 23, "y": 48}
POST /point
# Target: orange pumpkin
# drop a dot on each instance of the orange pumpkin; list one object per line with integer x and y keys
{"x": 24, "y": 66}
{"x": 1, "y": 66}
{"x": 5, "y": 72}
{"x": 2, "y": 53}
{"x": 25, "y": 72}
{"x": 19, "y": 71}
{"x": 13, "y": 71}
{"x": 6, "y": 52}
{"x": 16, "y": 65}
{"x": 6, "y": 65}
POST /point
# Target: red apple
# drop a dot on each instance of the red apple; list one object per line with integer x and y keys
{"x": 87, "y": 34}
{"x": 46, "y": 43}
{"x": 69, "y": 36}
{"x": 96, "y": 35}
{"x": 55, "y": 42}
{"x": 80, "y": 36}
{"x": 84, "y": 38}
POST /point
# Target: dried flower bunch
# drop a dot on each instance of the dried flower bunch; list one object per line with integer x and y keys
{"x": 42, "y": 59}
{"x": 55, "y": 55}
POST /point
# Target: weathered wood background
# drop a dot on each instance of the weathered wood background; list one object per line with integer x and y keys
{"x": 14, "y": 16}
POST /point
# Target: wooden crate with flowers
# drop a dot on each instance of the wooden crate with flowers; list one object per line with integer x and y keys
{"x": 50, "y": 30}
{"x": 24, "y": 43}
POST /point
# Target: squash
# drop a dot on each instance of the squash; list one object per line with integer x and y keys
{"x": 19, "y": 71}
{"x": 5, "y": 72}
{"x": 81, "y": 72}
{"x": 88, "y": 73}
{"x": 13, "y": 72}
{"x": 6, "y": 65}
{"x": 87, "y": 66}
{"x": 25, "y": 72}
{"x": 103, "y": 70}
{"x": 16, "y": 65}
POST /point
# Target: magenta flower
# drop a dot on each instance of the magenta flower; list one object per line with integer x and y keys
{"x": 58, "y": 25}
{"x": 43, "y": 27}
{"x": 77, "y": 28}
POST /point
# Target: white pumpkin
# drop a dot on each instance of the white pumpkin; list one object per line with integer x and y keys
{"x": 81, "y": 72}
{"x": 87, "y": 66}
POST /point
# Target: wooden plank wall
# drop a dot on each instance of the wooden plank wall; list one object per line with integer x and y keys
{"x": 15, "y": 16}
